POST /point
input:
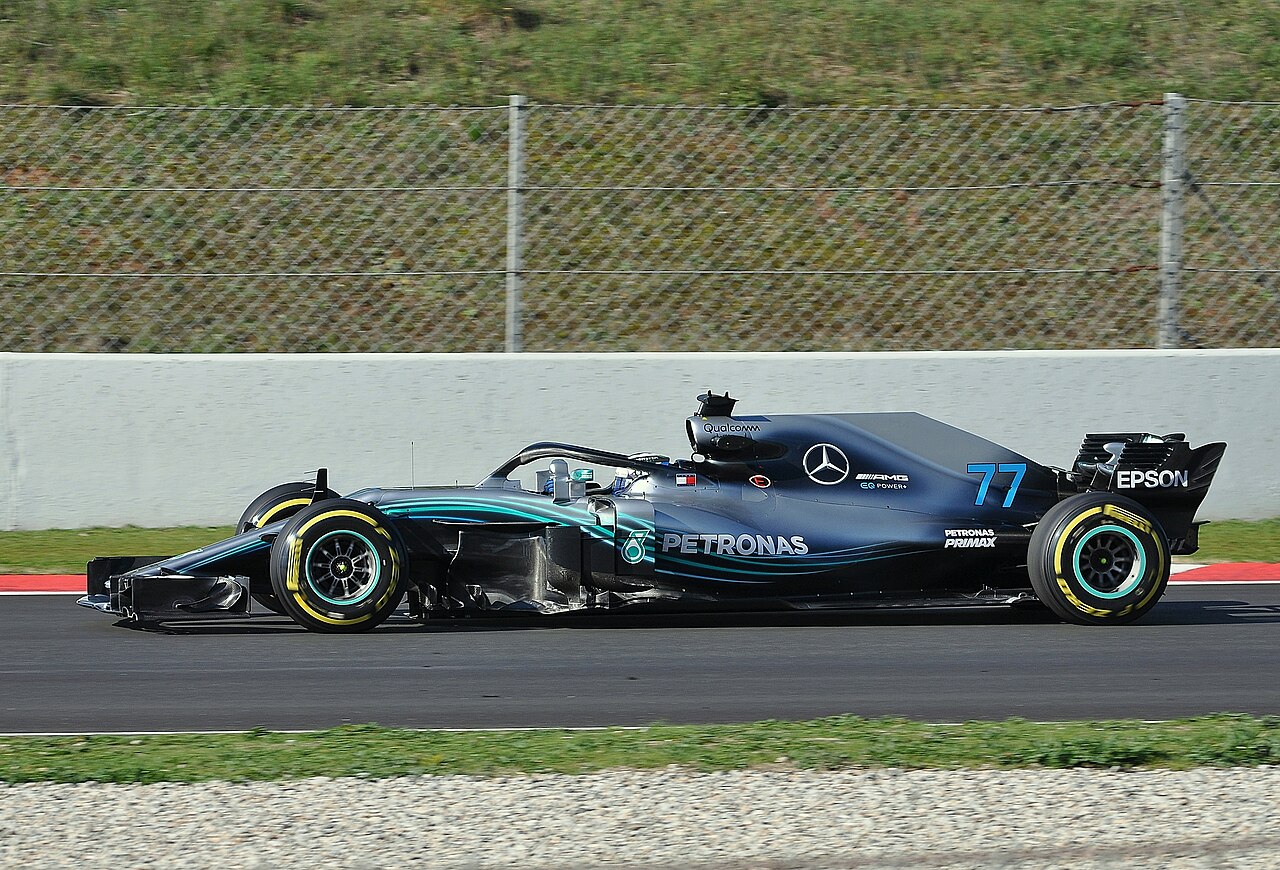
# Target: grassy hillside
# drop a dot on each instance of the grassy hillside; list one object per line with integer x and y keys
{"x": 179, "y": 258}
{"x": 704, "y": 51}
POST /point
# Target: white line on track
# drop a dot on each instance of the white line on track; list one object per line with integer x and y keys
{"x": 76, "y": 592}
{"x": 4, "y": 734}
{"x": 1176, "y": 582}
{"x": 1175, "y": 570}
{"x": 1173, "y": 581}
{"x": 512, "y": 730}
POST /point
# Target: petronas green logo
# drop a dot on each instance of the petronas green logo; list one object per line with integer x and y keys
{"x": 633, "y": 549}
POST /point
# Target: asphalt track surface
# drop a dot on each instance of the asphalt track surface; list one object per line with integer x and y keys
{"x": 1205, "y": 648}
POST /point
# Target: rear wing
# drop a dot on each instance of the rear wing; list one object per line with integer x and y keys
{"x": 1163, "y": 473}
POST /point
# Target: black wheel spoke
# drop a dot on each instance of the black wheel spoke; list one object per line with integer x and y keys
{"x": 342, "y": 566}
{"x": 1106, "y": 561}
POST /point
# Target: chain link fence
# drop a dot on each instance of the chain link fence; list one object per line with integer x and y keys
{"x": 187, "y": 230}
{"x": 1231, "y": 262}
{"x": 542, "y": 227}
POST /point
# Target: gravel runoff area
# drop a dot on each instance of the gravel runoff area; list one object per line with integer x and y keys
{"x": 1203, "y": 818}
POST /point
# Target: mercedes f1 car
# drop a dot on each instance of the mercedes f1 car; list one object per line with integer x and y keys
{"x": 797, "y": 511}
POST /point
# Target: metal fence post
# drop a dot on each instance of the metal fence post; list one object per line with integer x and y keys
{"x": 1172, "y": 188}
{"x": 515, "y": 227}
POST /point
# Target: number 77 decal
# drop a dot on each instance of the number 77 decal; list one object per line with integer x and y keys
{"x": 989, "y": 470}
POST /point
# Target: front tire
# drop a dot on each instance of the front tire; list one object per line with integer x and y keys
{"x": 336, "y": 567}
{"x": 1098, "y": 559}
{"x": 278, "y": 503}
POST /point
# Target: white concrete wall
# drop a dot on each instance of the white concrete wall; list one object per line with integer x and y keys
{"x": 95, "y": 439}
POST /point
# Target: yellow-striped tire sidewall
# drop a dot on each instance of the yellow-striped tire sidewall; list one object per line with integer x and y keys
{"x": 1057, "y": 579}
{"x": 288, "y": 567}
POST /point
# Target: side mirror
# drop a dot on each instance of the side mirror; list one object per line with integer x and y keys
{"x": 566, "y": 488}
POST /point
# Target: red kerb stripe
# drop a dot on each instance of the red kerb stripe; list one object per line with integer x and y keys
{"x": 1233, "y": 572}
{"x": 42, "y": 583}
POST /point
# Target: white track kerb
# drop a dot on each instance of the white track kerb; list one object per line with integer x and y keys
{"x": 162, "y": 440}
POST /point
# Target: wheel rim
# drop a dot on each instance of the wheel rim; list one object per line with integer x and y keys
{"x": 1109, "y": 561}
{"x": 343, "y": 568}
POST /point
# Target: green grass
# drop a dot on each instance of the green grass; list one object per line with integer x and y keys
{"x": 1238, "y": 541}
{"x": 832, "y": 743}
{"x": 713, "y": 51}
{"x": 65, "y": 551}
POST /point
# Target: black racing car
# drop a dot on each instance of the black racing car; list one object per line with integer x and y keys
{"x": 803, "y": 511}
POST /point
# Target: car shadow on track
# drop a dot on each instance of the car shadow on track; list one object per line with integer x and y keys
{"x": 1217, "y": 612}
{"x": 1222, "y": 612}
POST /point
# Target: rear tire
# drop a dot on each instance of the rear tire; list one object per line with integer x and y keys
{"x": 336, "y": 567}
{"x": 1098, "y": 559}
{"x": 278, "y": 503}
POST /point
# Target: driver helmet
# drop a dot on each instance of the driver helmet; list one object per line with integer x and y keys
{"x": 624, "y": 477}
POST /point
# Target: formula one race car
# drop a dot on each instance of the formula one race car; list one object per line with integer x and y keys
{"x": 802, "y": 511}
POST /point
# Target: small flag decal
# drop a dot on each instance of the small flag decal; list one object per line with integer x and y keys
{"x": 686, "y": 480}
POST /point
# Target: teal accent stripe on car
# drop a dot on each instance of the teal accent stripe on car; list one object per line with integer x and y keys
{"x": 248, "y": 547}
{"x": 454, "y": 509}
{"x": 418, "y": 508}
{"x": 449, "y": 509}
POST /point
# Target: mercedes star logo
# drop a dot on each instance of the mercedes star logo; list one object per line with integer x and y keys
{"x": 826, "y": 464}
